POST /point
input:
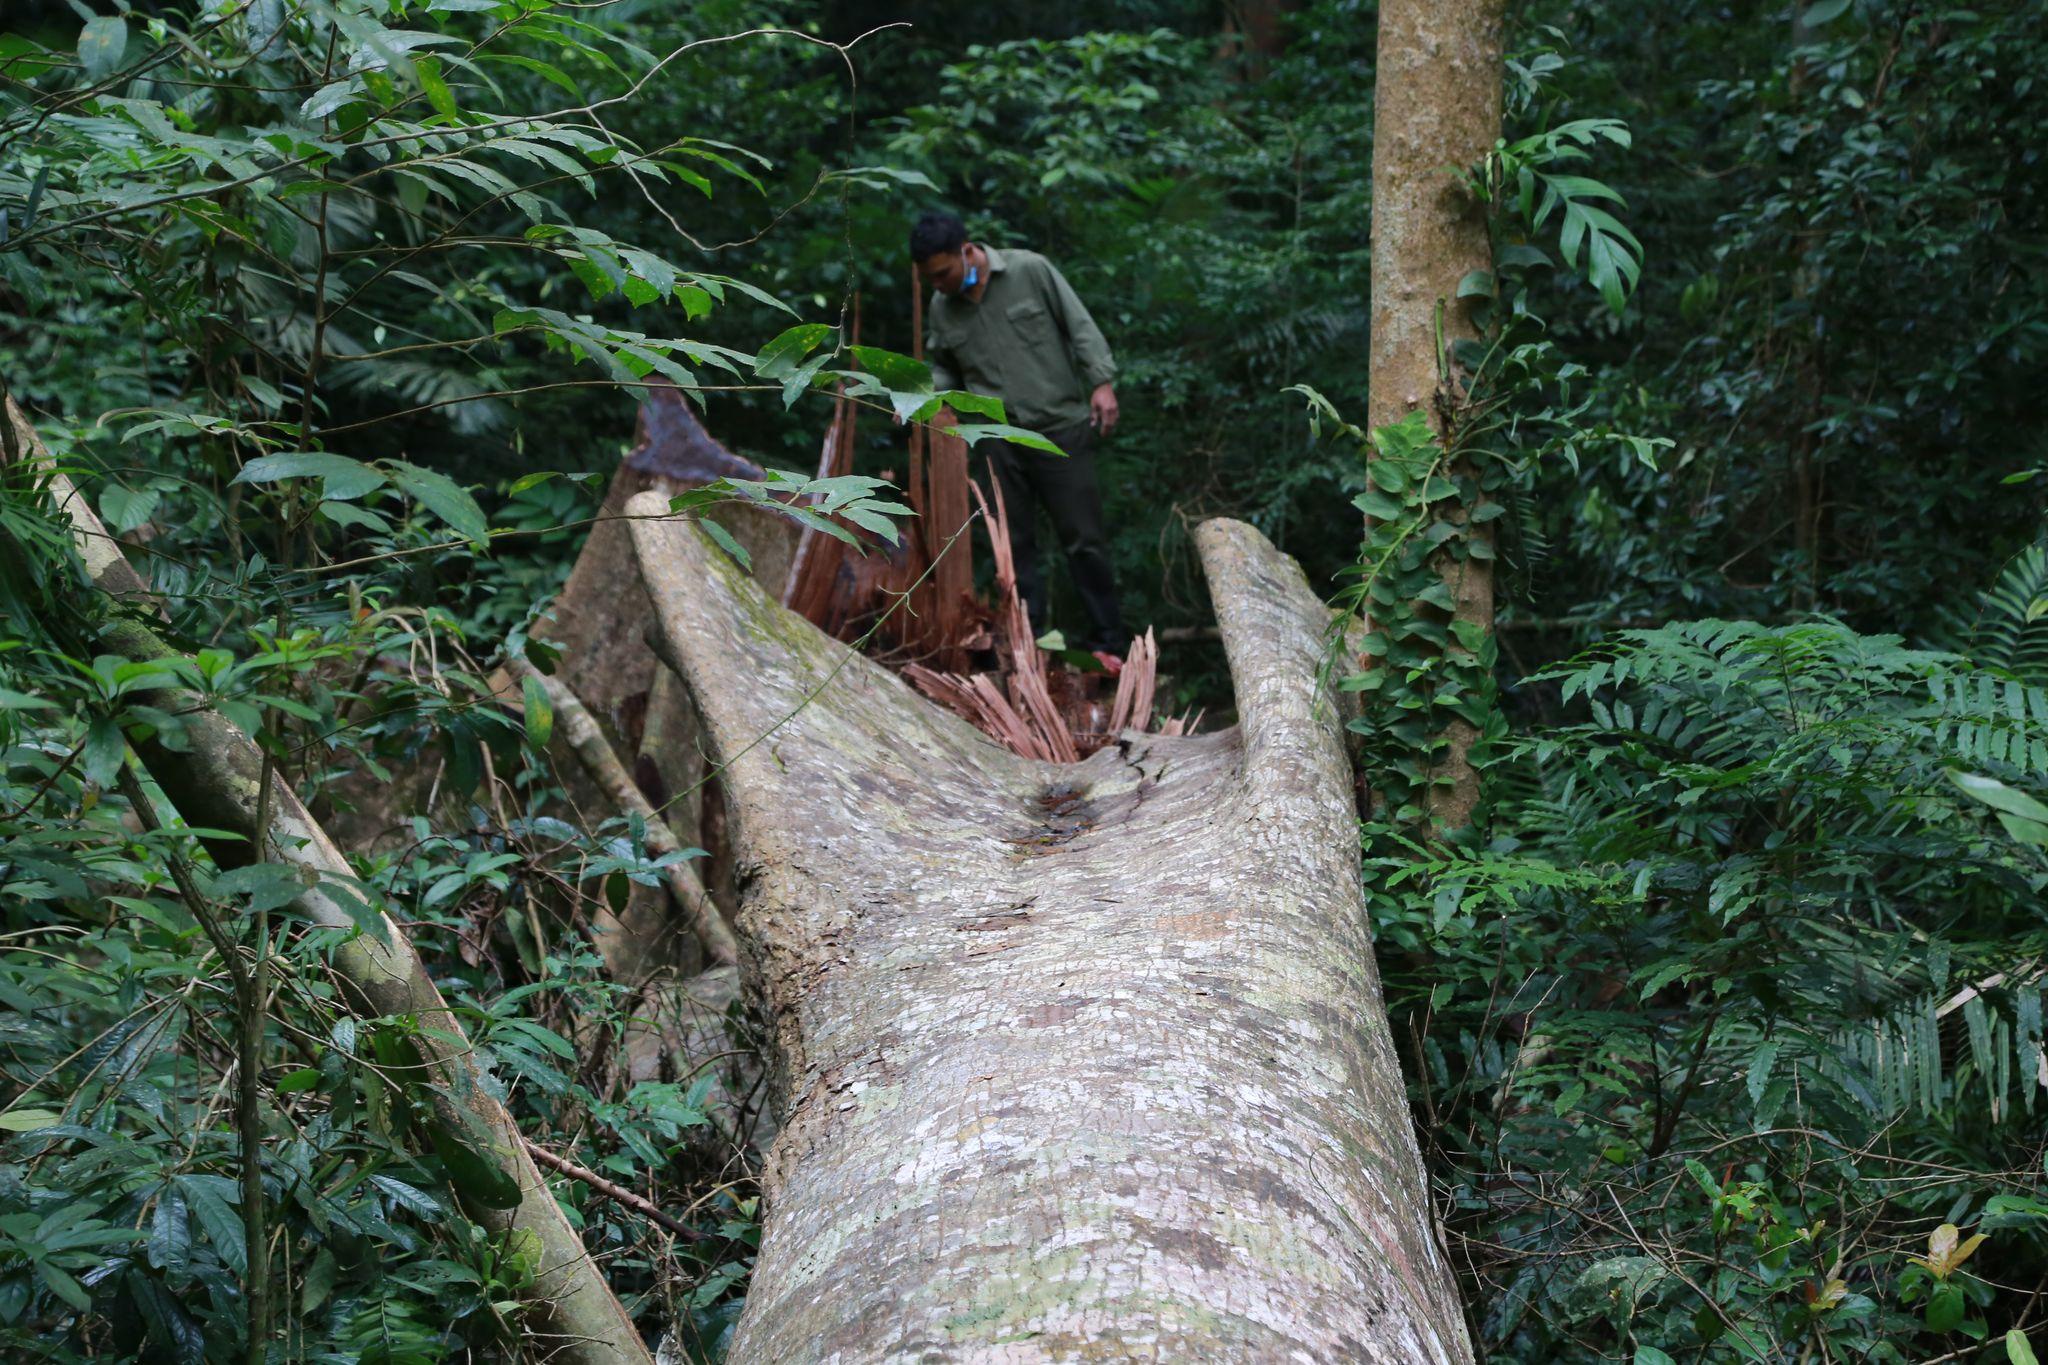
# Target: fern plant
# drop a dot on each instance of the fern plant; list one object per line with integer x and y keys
{"x": 1737, "y": 916}
{"x": 2008, "y": 631}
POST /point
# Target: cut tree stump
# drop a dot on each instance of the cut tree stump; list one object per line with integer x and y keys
{"x": 1076, "y": 1061}
{"x": 600, "y": 617}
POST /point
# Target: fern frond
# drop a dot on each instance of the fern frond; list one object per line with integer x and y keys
{"x": 2008, "y": 631}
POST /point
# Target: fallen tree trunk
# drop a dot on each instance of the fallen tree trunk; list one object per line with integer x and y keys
{"x": 213, "y": 782}
{"x": 1077, "y": 1061}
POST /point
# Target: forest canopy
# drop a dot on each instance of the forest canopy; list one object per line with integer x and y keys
{"x": 1704, "y": 849}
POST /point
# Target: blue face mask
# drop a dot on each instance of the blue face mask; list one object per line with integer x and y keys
{"x": 971, "y": 278}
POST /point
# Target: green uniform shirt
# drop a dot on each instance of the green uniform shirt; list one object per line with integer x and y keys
{"x": 1029, "y": 342}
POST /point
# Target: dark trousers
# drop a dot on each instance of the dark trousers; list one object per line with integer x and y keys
{"x": 1066, "y": 486}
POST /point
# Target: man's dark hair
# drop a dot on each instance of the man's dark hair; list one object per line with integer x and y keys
{"x": 935, "y": 234}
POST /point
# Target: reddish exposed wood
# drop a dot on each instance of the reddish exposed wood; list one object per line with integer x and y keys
{"x": 1026, "y": 661}
{"x": 950, "y": 546}
{"x": 979, "y": 701}
{"x": 816, "y": 562}
{"x": 914, "y": 603}
{"x": 1134, "y": 686}
{"x": 814, "y": 591}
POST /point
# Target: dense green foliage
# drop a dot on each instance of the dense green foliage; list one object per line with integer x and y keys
{"x": 1726, "y": 1009}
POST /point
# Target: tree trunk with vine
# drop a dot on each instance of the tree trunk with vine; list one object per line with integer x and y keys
{"x": 1437, "y": 110}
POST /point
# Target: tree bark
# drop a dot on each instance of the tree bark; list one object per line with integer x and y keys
{"x": 600, "y": 617}
{"x": 1076, "y": 1061}
{"x": 213, "y": 782}
{"x": 1436, "y": 109}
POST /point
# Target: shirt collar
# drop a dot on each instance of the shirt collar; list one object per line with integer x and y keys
{"x": 995, "y": 259}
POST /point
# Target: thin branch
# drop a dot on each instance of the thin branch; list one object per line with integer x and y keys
{"x": 619, "y": 1194}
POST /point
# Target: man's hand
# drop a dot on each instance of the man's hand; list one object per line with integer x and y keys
{"x": 1102, "y": 408}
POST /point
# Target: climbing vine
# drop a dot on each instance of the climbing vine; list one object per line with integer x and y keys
{"x": 1437, "y": 507}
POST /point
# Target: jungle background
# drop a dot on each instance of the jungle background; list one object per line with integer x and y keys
{"x": 1723, "y": 1021}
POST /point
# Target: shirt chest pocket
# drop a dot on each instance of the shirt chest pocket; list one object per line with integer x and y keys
{"x": 1031, "y": 321}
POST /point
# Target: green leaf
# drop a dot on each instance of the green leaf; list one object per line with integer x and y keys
{"x": 105, "y": 747}
{"x": 722, "y": 538}
{"x": 1650, "y": 1355}
{"x": 267, "y": 886}
{"x": 1822, "y": 13}
{"x": 28, "y": 1120}
{"x": 907, "y": 382}
{"x": 1945, "y": 1308}
{"x": 124, "y": 509}
{"x": 319, "y": 1281}
{"x": 101, "y": 43}
{"x": 962, "y": 403}
{"x": 305, "y": 1078}
{"x": 780, "y": 357}
{"x": 348, "y": 514}
{"x": 428, "y": 69}
{"x": 1998, "y": 796}
{"x": 170, "y": 1232}
{"x": 207, "y": 1194}
{"x": 1379, "y": 506}
{"x": 539, "y": 68}
{"x": 171, "y": 1328}
{"x": 472, "y": 1169}
{"x": 308, "y": 464}
{"x": 64, "y": 1286}
{"x": 1760, "y": 1070}
{"x": 24, "y": 59}
{"x": 2018, "y": 1350}
{"x": 1522, "y": 254}
{"x": 540, "y": 713}
{"x": 1000, "y": 431}
{"x": 443, "y": 497}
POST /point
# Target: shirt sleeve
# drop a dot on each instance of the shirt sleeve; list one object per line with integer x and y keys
{"x": 1091, "y": 351}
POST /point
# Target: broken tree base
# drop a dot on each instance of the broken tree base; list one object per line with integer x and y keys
{"x": 1081, "y": 1061}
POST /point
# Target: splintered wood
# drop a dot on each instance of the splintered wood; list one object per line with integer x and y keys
{"x": 1015, "y": 704}
{"x": 911, "y": 599}
{"x": 912, "y": 603}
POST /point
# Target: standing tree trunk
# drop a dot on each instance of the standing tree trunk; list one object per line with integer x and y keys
{"x": 1077, "y": 1061}
{"x": 1436, "y": 110}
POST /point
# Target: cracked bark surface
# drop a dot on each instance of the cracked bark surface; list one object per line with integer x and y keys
{"x": 1076, "y": 1061}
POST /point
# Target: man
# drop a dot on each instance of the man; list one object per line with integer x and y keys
{"x": 1007, "y": 324}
